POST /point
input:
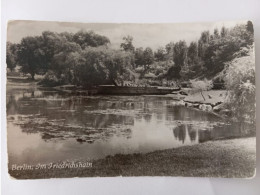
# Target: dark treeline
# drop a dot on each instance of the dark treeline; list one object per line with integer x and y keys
{"x": 86, "y": 59}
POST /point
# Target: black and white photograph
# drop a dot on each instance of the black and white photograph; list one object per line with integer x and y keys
{"x": 130, "y": 99}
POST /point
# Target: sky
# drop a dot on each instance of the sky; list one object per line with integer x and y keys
{"x": 144, "y": 35}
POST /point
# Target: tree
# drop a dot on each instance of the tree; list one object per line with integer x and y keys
{"x": 250, "y": 27}
{"x": 63, "y": 62}
{"x": 89, "y": 68}
{"x": 203, "y": 43}
{"x": 31, "y": 56}
{"x": 216, "y": 34}
{"x": 244, "y": 33}
{"x": 52, "y": 44}
{"x": 90, "y": 39}
{"x": 169, "y": 47}
{"x": 118, "y": 65}
{"x": 180, "y": 60}
{"x": 192, "y": 54}
{"x": 240, "y": 81}
{"x": 100, "y": 65}
{"x": 63, "y": 51}
{"x": 205, "y": 37}
{"x": 160, "y": 54}
{"x": 11, "y": 55}
{"x": 169, "y": 51}
{"x": 193, "y": 65}
{"x": 224, "y": 31}
{"x": 180, "y": 53}
{"x": 148, "y": 58}
{"x": 139, "y": 56}
{"x": 221, "y": 50}
{"x": 128, "y": 44}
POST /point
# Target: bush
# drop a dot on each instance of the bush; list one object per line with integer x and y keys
{"x": 240, "y": 81}
{"x": 201, "y": 85}
{"x": 51, "y": 80}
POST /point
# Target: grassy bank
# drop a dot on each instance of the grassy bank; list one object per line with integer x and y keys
{"x": 223, "y": 158}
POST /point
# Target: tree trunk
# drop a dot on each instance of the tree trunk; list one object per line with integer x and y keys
{"x": 203, "y": 96}
{"x": 32, "y": 74}
{"x": 114, "y": 82}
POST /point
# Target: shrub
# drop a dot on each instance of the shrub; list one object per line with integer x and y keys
{"x": 51, "y": 80}
{"x": 201, "y": 85}
{"x": 240, "y": 81}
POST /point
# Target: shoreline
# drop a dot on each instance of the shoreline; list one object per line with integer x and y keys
{"x": 232, "y": 158}
{"x": 213, "y": 103}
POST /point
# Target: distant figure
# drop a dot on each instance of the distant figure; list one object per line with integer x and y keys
{"x": 210, "y": 97}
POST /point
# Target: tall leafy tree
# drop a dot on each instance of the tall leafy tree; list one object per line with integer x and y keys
{"x": 104, "y": 65}
{"x": 148, "y": 58}
{"x": 224, "y": 31}
{"x": 216, "y": 34}
{"x": 193, "y": 65}
{"x": 139, "y": 59}
{"x": 222, "y": 49}
{"x": 169, "y": 51}
{"x": 160, "y": 54}
{"x": 11, "y": 55}
{"x": 90, "y": 39}
{"x": 180, "y": 53}
{"x": 179, "y": 58}
{"x": 250, "y": 27}
{"x": 127, "y": 45}
{"x": 203, "y": 43}
{"x": 31, "y": 56}
{"x": 61, "y": 63}
{"x": 169, "y": 47}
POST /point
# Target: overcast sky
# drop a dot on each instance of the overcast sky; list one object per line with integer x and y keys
{"x": 145, "y": 35}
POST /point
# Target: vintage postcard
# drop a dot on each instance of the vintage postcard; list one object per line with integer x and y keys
{"x": 108, "y": 99}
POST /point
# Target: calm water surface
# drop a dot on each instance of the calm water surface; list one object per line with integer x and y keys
{"x": 45, "y": 125}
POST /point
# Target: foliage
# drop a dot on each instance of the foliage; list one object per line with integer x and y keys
{"x": 201, "y": 85}
{"x": 128, "y": 44}
{"x": 31, "y": 56}
{"x": 179, "y": 58}
{"x": 220, "y": 50}
{"x": 100, "y": 65}
{"x": 139, "y": 52}
{"x": 56, "y": 52}
{"x": 11, "y": 55}
{"x": 240, "y": 81}
{"x": 51, "y": 80}
{"x": 89, "y": 39}
{"x": 148, "y": 57}
{"x": 144, "y": 58}
{"x": 190, "y": 70}
{"x": 160, "y": 54}
{"x": 117, "y": 65}
{"x": 169, "y": 47}
{"x": 180, "y": 53}
{"x": 85, "y": 58}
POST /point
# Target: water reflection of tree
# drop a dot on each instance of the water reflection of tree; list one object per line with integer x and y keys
{"x": 180, "y": 132}
{"x": 11, "y": 105}
{"x": 184, "y": 132}
{"x": 181, "y": 113}
{"x": 198, "y": 133}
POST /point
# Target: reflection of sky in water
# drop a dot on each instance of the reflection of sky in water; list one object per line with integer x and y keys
{"x": 47, "y": 126}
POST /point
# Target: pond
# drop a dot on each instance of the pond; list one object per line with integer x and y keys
{"x": 45, "y": 125}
